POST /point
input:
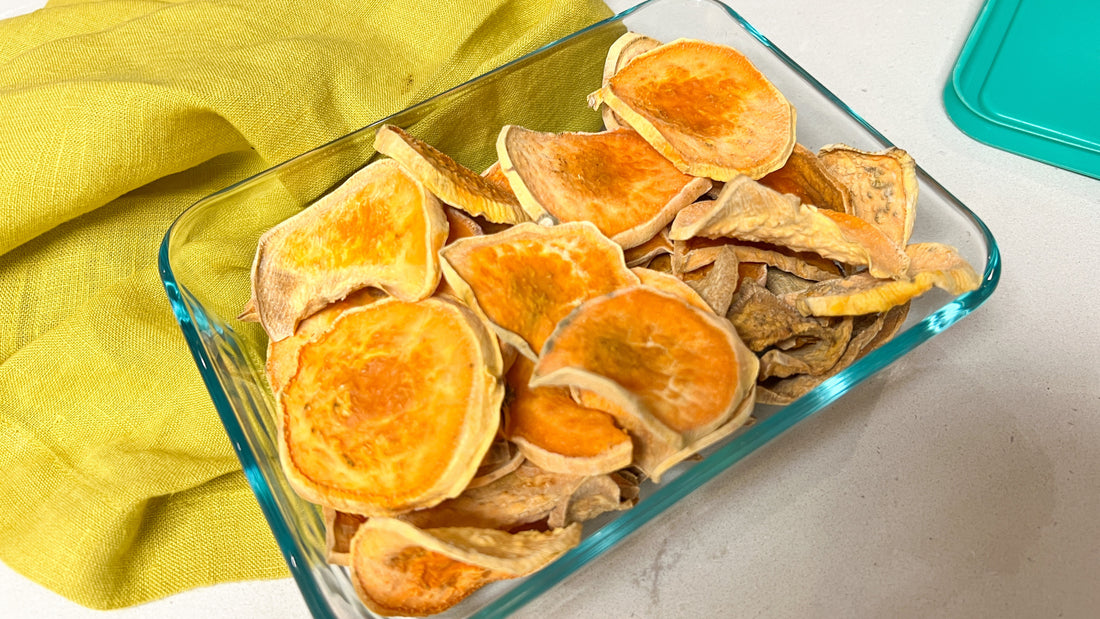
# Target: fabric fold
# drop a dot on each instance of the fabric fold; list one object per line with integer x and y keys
{"x": 121, "y": 485}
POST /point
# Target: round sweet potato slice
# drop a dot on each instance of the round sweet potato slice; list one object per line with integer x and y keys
{"x": 399, "y": 569}
{"x": 527, "y": 278}
{"x": 613, "y": 179}
{"x": 282, "y": 355}
{"x": 556, "y": 433}
{"x": 652, "y": 355}
{"x": 392, "y": 408}
{"x": 380, "y": 228}
{"x": 705, "y": 107}
{"x": 449, "y": 180}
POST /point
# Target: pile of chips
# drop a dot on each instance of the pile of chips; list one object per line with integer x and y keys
{"x": 470, "y": 366}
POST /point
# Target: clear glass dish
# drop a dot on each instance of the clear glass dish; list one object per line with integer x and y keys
{"x": 206, "y": 255}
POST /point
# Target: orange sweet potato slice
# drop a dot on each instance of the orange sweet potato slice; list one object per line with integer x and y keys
{"x": 717, "y": 282}
{"x": 282, "y": 355}
{"x": 527, "y": 278}
{"x": 399, "y": 569}
{"x": 558, "y": 434}
{"x": 380, "y": 228}
{"x": 495, "y": 175}
{"x": 639, "y": 349}
{"x": 392, "y": 408}
{"x": 666, "y": 282}
{"x": 805, "y": 175}
{"x": 930, "y": 264}
{"x": 750, "y": 211}
{"x": 614, "y": 179}
{"x": 621, "y": 52}
{"x": 705, "y": 107}
{"x": 450, "y": 181}
{"x": 883, "y": 186}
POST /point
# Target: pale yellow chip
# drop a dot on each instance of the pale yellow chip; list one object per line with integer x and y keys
{"x": 750, "y": 211}
{"x": 883, "y": 186}
{"x": 931, "y": 264}
{"x": 450, "y": 181}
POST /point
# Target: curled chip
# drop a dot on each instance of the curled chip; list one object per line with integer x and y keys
{"x": 399, "y": 569}
{"x": 705, "y": 107}
{"x": 622, "y": 51}
{"x": 639, "y": 349}
{"x": 930, "y": 264}
{"x": 883, "y": 186}
{"x": 380, "y": 228}
{"x": 750, "y": 211}
{"x": 450, "y": 181}
{"x": 392, "y": 408}
{"x": 527, "y": 278}
{"x": 804, "y": 175}
{"x": 558, "y": 434}
{"x": 613, "y": 179}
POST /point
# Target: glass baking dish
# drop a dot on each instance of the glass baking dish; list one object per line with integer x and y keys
{"x": 543, "y": 90}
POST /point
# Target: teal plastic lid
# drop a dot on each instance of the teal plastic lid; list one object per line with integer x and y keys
{"x": 1028, "y": 81}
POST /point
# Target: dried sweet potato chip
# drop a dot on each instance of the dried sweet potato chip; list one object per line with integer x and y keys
{"x": 762, "y": 319}
{"x": 340, "y": 527}
{"x": 638, "y": 349}
{"x": 805, "y": 176}
{"x": 403, "y": 419}
{"x": 750, "y": 211}
{"x": 697, "y": 252}
{"x": 883, "y": 186}
{"x": 717, "y": 281}
{"x": 558, "y": 434}
{"x": 705, "y": 107}
{"x": 282, "y": 355}
{"x": 814, "y": 357}
{"x": 613, "y": 179}
{"x": 380, "y": 228}
{"x": 641, "y": 255}
{"x": 868, "y": 332}
{"x": 622, "y": 51}
{"x": 527, "y": 278}
{"x": 666, "y": 282}
{"x": 930, "y": 264}
{"x": 450, "y": 181}
{"x": 524, "y": 496}
{"x": 399, "y": 569}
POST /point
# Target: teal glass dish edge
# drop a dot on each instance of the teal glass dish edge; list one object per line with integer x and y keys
{"x": 203, "y": 331}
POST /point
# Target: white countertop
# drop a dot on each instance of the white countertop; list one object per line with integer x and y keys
{"x": 962, "y": 481}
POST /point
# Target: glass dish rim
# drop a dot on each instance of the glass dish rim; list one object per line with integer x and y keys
{"x": 666, "y": 494}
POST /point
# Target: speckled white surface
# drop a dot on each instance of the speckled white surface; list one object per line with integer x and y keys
{"x": 963, "y": 481}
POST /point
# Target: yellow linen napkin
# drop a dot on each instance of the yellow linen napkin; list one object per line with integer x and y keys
{"x": 119, "y": 484}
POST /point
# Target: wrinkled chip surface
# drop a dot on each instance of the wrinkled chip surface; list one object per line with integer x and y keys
{"x": 529, "y": 277}
{"x": 705, "y": 107}
{"x": 805, "y": 175}
{"x": 403, "y": 420}
{"x": 883, "y": 186}
{"x": 558, "y": 434}
{"x": 613, "y": 179}
{"x": 750, "y": 211}
{"x": 380, "y": 228}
